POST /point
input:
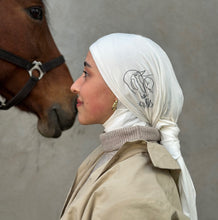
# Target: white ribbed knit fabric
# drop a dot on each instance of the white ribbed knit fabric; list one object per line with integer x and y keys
{"x": 141, "y": 76}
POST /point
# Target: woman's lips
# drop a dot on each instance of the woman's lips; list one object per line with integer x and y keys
{"x": 78, "y": 103}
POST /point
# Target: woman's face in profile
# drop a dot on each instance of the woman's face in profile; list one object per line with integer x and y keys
{"x": 95, "y": 99}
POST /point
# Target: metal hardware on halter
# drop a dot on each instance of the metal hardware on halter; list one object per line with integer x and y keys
{"x": 37, "y": 66}
{"x": 2, "y": 102}
{"x": 42, "y": 69}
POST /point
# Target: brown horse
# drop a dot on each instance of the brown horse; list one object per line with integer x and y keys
{"x": 25, "y": 38}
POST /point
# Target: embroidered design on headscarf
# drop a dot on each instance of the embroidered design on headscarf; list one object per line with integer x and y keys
{"x": 141, "y": 82}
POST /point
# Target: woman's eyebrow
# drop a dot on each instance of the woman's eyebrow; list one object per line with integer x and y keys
{"x": 87, "y": 64}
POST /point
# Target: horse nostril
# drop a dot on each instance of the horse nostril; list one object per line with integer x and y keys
{"x": 64, "y": 118}
{"x": 55, "y": 111}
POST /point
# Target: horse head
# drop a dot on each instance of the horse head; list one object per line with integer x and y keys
{"x": 25, "y": 33}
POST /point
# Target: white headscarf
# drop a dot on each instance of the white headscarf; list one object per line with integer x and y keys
{"x": 141, "y": 76}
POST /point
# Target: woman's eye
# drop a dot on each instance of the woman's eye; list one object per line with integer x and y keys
{"x": 85, "y": 74}
{"x": 35, "y": 12}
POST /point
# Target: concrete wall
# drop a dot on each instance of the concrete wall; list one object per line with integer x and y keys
{"x": 36, "y": 173}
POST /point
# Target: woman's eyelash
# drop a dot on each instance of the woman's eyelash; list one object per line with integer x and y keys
{"x": 85, "y": 73}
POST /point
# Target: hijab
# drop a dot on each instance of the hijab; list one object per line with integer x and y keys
{"x": 141, "y": 76}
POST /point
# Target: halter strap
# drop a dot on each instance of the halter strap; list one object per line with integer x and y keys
{"x": 25, "y": 64}
{"x": 35, "y": 65}
{"x": 21, "y": 95}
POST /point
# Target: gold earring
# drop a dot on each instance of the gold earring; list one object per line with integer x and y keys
{"x": 114, "y": 106}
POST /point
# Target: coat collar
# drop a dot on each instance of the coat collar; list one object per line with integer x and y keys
{"x": 159, "y": 156}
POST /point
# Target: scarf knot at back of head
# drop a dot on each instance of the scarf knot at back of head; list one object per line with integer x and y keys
{"x": 141, "y": 76}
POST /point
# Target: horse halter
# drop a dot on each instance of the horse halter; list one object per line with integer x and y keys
{"x": 42, "y": 69}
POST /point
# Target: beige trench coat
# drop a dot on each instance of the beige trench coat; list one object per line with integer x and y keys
{"x": 138, "y": 183}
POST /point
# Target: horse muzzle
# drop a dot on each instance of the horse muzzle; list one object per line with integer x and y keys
{"x": 57, "y": 120}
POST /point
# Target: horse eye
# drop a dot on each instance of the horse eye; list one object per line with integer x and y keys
{"x": 35, "y": 12}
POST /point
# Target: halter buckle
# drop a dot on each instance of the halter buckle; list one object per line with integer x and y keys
{"x": 36, "y": 67}
{"x": 2, "y": 104}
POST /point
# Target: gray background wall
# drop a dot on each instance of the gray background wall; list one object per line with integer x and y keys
{"x": 36, "y": 173}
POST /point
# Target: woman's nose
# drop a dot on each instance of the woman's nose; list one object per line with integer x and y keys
{"x": 75, "y": 88}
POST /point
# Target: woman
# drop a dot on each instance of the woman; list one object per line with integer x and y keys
{"x": 128, "y": 85}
